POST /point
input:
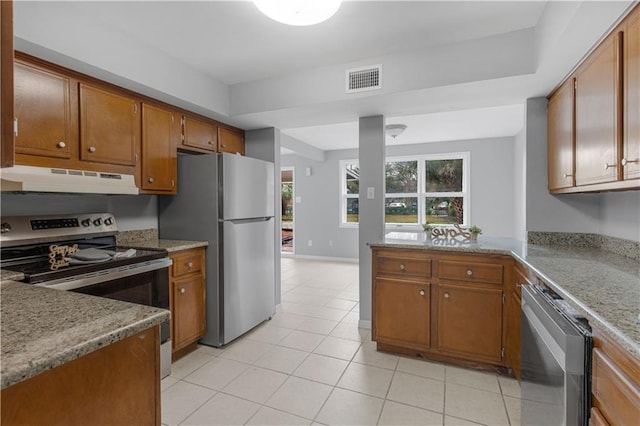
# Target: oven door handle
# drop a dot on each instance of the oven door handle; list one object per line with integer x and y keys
{"x": 79, "y": 281}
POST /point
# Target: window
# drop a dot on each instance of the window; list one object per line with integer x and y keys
{"x": 419, "y": 189}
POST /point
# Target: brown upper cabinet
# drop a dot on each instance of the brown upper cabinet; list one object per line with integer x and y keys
{"x": 230, "y": 140}
{"x": 631, "y": 96}
{"x": 43, "y": 109}
{"x": 109, "y": 126}
{"x": 161, "y": 133}
{"x": 197, "y": 133}
{"x": 597, "y": 126}
{"x": 560, "y": 137}
{"x": 6, "y": 84}
{"x": 594, "y": 118}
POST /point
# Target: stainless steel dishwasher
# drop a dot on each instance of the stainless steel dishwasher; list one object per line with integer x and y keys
{"x": 556, "y": 360}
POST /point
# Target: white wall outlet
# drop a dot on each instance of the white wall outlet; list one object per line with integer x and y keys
{"x": 371, "y": 193}
{"x": 309, "y": 243}
{"x": 307, "y": 171}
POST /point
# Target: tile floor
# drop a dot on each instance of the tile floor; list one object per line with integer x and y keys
{"x": 311, "y": 364}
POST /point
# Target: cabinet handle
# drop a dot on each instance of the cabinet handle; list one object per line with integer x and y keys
{"x": 210, "y": 142}
{"x": 61, "y": 144}
{"x": 182, "y": 290}
{"x": 421, "y": 292}
{"x": 190, "y": 265}
{"x": 402, "y": 267}
{"x": 447, "y": 296}
{"x": 624, "y": 161}
{"x": 469, "y": 272}
{"x": 566, "y": 175}
{"x": 150, "y": 180}
{"x": 92, "y": 149}
{"x": 224, "y": 146}
{"x": 608, "y": 166}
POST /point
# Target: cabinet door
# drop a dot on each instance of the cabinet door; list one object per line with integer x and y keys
{"x": 43, "y": 110}
{"x": 597, "y": 115}
{"x": 512, "y": 345}
{"x": 401, "y": 313}
{"x": 560, "y": 137}
{"x": 6, "y": 84}
{"x": 230, "y": 141}
{"x": 200, "y": 134}
{"x": 631, "y": 84}
{"x": 109, "y": 127}
{"x": 160, "y": 135}
{"x": 188, "y": 314}
{"x": 469, "y": 322}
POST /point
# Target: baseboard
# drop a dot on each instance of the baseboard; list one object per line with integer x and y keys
{"x": 333, "y": 259}
{"x": 366, "y": 324}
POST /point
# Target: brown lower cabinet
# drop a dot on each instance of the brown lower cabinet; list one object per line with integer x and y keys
{"x": 187, "y": 300}
{"x": 439, "y": 305}
{"x": 615, "y": 383}
{"x": 521, "y": 276}
{"x": 108, "y": 386}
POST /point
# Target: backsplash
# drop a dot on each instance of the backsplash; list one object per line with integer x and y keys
{"x": 129, "y": 237}
{"x": 615, "y": 245}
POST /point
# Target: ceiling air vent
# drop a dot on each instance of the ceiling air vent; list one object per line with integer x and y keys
{"x": 364, "y": 78}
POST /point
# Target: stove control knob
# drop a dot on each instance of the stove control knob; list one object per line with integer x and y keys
{"x": 86, "y": 222}
{"x": 97, "y": 222}
{"x": 5, "y": 227}
{"x": 108, "y": 221}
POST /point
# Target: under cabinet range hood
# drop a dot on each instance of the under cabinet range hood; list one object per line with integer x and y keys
{"x": 44, "y": 179}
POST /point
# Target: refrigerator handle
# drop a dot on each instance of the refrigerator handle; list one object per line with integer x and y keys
{"x": 250, "y": 220}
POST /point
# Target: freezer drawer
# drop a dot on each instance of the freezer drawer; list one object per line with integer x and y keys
{"x": 248, "y": 274}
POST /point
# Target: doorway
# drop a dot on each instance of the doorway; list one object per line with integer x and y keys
{"x": 288, "y": 197}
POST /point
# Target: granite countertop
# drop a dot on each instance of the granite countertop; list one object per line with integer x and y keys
{"x": 168, "y": 245}
{"x": 603, "y": 286}
{"x": 43, "y": 328}
{"x": 6, "y": 275}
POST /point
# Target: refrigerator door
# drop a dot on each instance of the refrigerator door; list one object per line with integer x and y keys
{"x": 248, "y": 274}
{"x": 247, "y": 187}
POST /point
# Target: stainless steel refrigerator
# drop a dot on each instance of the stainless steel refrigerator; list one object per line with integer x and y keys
{"x": 227, "y": 200}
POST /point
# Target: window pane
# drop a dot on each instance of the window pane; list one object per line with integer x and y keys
{"x": 444, "y": 210}
{"x": 401, "y": 210}
{"x": 443, "y": 175}
{"x": 352, "y": 172}
{"x": 352, "y": 210}
{"x": 401, "y": 177}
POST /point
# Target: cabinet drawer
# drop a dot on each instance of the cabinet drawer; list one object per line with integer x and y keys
{"x": 470, "y": 271}
{"x": 406, "y": 266}
{"x": 618, "y": 398}
{"x": 187, "y": 262}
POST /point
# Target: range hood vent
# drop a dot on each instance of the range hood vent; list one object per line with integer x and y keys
{"x": 364, "y": 78}
{"x": 43, "y": 179}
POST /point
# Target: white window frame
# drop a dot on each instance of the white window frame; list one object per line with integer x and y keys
{"x": 421, "y": 193}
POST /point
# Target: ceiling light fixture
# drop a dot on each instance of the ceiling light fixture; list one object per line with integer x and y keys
{"x": 394, "y": 130}
{"x": 298, "y": 12}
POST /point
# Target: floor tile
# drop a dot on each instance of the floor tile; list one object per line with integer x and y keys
{"x": 421, "y": 367}
{"x": 366, "y": 379}
{"x": 284, "y": 360}
{"x": 476, "y": 405}
{"x": 352, "y": 318}
{"x": 474, "y": 379}
{"x": 210, "y": 350}
{"x": 223, "y": 410}
{"x": 509, "y": 386}
{"x": 350, "y": 408}
{"x": 302, "y": 340}
{"x": 286, "y": 320}
{"x": 351, "y": 332}
{"x": 301, "y": 397}
{"x": 344, "y": 304}
{"x": 417, "y": 391}
{"x": 367, "y": 354}
{"x": 255, "y": 384}
{"x": 513, "y": 410}
{"x": 454, "y": 421}
{"x": 217, "y": 373}
{"x": 189, "y": 363}
{"x": 322, "y": 369}
{"x": 401, "y": 414}
{"x": 182, "y": 399}
{"x": 317, "y": 325}
{"x": 338, "y": 348}
{"x": 269, "y": 416}
{"x": 247, "y": 351}
{"x": 167, "y": 382}
{"x": 269, "y": 334}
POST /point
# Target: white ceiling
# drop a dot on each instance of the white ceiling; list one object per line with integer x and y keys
{"x": 451, "y": 69}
